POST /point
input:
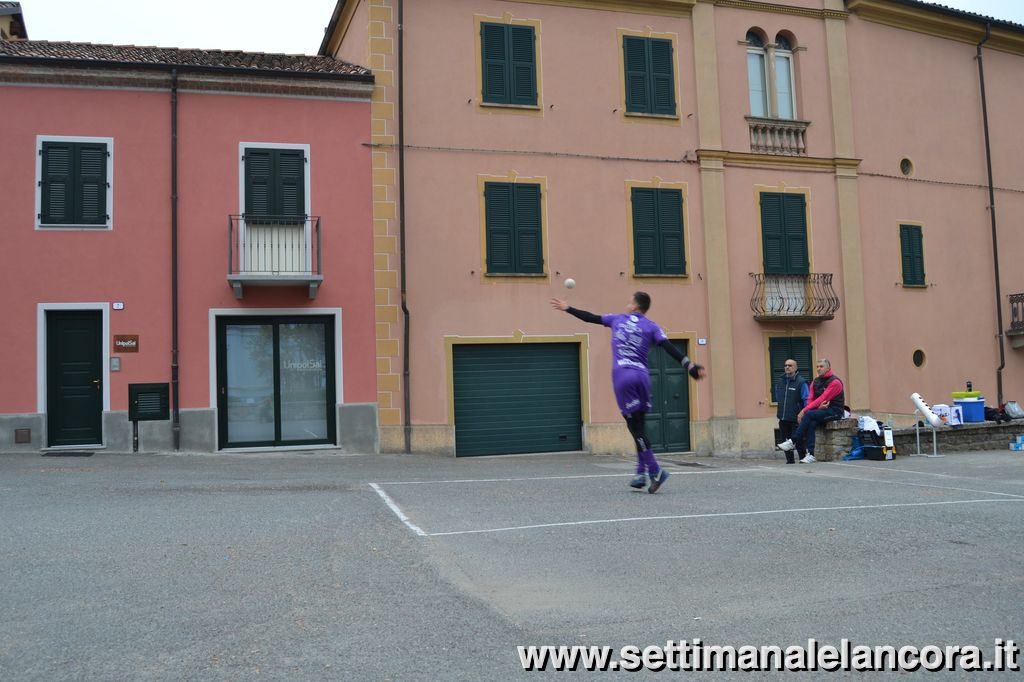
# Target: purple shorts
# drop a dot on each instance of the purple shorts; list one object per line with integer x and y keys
{"x": 632, "y": 390}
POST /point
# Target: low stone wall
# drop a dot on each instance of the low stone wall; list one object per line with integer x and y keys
{"x": 834, "y": 439}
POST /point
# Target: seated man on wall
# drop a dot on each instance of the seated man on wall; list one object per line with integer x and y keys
{"x": 824, "y": 404}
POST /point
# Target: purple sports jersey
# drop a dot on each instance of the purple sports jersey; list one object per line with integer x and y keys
{"x": 632, "y": 336}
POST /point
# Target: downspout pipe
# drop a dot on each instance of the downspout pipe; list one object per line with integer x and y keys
{"x": 992, "y": 216}
{"x": 406, "y": 398}
{"x": 175, "y": 400}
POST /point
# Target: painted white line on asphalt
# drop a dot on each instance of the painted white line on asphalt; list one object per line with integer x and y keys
{"x": 675, "y": 472}
{"x": 708, "y": 516}
{"x": 914, "y": 485}
{"x": 398, "y": 512}
{"x": 919, "y": 473}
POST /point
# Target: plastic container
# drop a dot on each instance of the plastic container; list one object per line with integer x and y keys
{"x": 957, "y": 395}
{"x": 1017, "y": 447}
{"x": 973, "y": 409}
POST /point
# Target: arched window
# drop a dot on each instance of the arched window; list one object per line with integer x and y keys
{"x": 770, "y": 76}
{"x": 756, "y": 75}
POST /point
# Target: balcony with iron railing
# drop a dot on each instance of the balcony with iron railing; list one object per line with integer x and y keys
{"x": 1016, "y": 330}
{"x": 274, "y": 251}
{"x": 783, "y": 298}
{"x": 786, "y": 137}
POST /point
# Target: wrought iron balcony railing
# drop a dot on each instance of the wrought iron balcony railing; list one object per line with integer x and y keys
{"x": 793, "y": 297}
{"x": 1016, "y": 314}
{"x": 778, "y": 136}
{"x": 274, "y": 251}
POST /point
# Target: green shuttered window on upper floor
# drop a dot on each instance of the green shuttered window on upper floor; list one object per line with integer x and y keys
{"x": 509, "y": 64}
{"x": 912, "y": 255}
{"x": 275, "y": 184}
{"x": 784, "y": 233}
{"x": 514, "y": 234}
{"x": 73, "y": 184}
{"x": 782, "y": 348}
{"x": 658, "y": 245}
{"x": 650, "y": 77}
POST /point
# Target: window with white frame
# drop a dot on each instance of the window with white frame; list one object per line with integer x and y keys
{"x": 770, "y": 76}
{"x": 74, "y": 182}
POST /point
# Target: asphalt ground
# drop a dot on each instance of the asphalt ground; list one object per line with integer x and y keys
{"x": 300, "y": 566}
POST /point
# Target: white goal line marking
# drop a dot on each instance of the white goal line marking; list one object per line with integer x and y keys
{"x": 714, "y": 515}
{"x": 675, "y": 472}
{"x": 398, "y": 512}
{"x": 917, "y": 485}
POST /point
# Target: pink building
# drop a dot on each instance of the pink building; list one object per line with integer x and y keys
{"x": 803, "y": 179}
{"x": 192, "y": 224}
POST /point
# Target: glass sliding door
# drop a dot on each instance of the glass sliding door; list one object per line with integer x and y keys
{"x": 275, "y": 381}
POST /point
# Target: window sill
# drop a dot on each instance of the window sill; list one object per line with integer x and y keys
{"x": 499, "y": 105}
{"x": 659, "y": 275}
{"x": 75, "y": 228}
{"x": 527, "y": 275}
{"x": 914, "y": 286}
{"x": 660, "y": 117}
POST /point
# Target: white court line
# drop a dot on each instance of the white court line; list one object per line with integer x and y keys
{"x": 912, "y": 485}
{"x": 707, "y": 516}
{"x": 920, "y": 473}
{"x": 675, "y": 472}
{"x": 398, "y": 512}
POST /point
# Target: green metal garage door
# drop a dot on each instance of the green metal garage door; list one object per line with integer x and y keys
{"x": 513, "y": 398}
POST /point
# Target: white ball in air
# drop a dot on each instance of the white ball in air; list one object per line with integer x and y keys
{"x": 570, "y": 283}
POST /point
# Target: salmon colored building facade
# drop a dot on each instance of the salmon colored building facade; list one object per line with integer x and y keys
{"x": 806, "y": 178}
{"x": 192, "y": 224}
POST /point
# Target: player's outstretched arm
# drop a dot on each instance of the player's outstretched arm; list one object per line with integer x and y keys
{"x": 696, "y": 371}
{"x": 562, "y": 304}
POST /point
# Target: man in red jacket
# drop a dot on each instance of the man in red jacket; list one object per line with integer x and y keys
{"x": 824, "y": 404}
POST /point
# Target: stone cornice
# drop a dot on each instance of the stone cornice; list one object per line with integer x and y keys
{"x": 671, "y": 8}
{"x": 758, "y": 6}
{"x": 715, "y": 157}
{"x": 941, "y": 24}
{"x": 150, "y": 79}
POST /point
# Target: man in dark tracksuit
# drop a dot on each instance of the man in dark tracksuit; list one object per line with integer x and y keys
{"x": 791, "y": 395}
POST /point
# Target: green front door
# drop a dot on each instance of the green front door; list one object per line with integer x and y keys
{"x": 517, "y": 398}
{"x": 668, "y": 422}
{"x": 74, "y": 377}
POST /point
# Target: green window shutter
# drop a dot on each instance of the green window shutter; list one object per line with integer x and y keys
{"x": 802, "y": 351}
{"x": 638, "y": 95}
{"x": 781, "y": 348}
{"x": 529, "y": 252}
{"x": 795, "y": 230}
{"x": 784, "y": 233}
{"x": 670, "y": 232}
{"x": 499, "y": 228}
{"x": 494, "y": 46}
{"x": 523, "y": 65}
{"x": 778, "y": 352}
{"x": 912, "y": 254}
{"x": 645, "y": 230}
{"x": 290, "y": 183}
{"x": 772, "y": 237}
{"x": 663, "y": 87}
{"x": 259, "y": 164}
{"x": 91, "y": 190}
{"x": 57, "y": 191}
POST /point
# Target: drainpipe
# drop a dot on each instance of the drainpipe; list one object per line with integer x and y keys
{"x": 175, "y": 402}
{"x": 992, "y": 214}
{"x": 406, "y": 398}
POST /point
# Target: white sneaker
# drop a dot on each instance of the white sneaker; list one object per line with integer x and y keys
{"x": 809, "y": 459}
{"x": 786, "y": 445}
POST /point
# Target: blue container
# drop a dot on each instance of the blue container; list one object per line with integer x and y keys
{"x": 974, "y": 409}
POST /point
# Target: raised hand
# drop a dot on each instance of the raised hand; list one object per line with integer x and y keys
{"x": 559, "y": 304}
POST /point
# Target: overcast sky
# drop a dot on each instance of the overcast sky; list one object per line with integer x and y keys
{"x": 291, "y": 27}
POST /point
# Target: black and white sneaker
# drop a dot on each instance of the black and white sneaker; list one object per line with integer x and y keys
{"x": 657, "y": 479}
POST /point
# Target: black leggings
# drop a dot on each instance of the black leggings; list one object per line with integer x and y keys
{"x": 635, "y": 423}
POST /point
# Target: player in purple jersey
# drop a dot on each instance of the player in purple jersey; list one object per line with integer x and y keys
{"x": 632, "y": 336}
